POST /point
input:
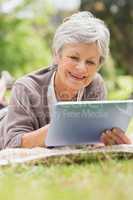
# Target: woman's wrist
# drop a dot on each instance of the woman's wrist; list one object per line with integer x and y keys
{"x": 35, "y": 138}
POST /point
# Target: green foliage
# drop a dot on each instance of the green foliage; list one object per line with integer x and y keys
{"x": 119, "y": 85}
{"x": 21, "y": 48}
{"x": 121, "y": 88}
{"x": 24, "y": 42}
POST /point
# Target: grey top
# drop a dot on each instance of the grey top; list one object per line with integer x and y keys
{"x": 28, "y": 107}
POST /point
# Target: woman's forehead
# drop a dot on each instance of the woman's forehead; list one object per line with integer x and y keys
{"x": 91, "y": 49}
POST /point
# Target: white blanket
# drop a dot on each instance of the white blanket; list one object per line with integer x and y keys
{"x": 63, "y": 155}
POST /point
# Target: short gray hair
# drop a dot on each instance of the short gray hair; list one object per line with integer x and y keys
{"x": 82, "y": 27}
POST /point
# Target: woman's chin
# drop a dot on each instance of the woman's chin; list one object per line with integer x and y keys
{"x": 75, "y": 86}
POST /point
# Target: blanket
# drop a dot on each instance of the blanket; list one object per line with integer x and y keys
{"x": 67, "y": 155}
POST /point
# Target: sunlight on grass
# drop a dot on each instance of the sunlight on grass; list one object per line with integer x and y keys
{"x": 100, "y": 180}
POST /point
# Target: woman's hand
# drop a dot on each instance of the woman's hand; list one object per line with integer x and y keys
{"x": 114, "y": 136}
{"x": 35, "y": 138}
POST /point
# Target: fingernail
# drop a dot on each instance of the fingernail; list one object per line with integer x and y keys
{"x": 114, "y": 130}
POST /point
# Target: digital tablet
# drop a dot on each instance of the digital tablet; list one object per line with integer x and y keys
{"x": 83, "y": 122}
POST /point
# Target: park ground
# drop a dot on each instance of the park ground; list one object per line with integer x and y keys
{"x": 106, "y": 180}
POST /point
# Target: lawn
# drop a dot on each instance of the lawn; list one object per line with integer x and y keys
{"x": 106, "y": 180}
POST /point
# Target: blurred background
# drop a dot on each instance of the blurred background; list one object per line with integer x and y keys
{"x": 27, "y": 28}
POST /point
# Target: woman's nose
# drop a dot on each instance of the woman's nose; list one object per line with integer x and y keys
{"x": 81, "y": 66}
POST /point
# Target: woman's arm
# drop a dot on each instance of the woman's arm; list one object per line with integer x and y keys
{"x": 35, "y": 138}
{"x": 22, "y": 127}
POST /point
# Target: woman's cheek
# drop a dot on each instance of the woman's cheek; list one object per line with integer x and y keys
{"x": 68, "y": 64}
{"x": 92, "y": 71}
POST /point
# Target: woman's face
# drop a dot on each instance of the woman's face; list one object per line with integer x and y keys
{"x": 77, "y": 64}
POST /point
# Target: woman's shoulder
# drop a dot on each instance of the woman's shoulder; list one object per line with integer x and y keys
{"x": 37, "y": 79}
{"x": 97, "y": 81}
{"x": 96, "y": 90}
{"x": 98, "y": 77}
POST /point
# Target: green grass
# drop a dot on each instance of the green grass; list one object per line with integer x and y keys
{"x": 106, "y": 180}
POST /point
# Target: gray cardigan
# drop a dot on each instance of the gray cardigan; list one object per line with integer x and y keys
{"x": 28, "y": 107}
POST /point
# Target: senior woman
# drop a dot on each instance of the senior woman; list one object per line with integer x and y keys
{"x": 80, "y": 46}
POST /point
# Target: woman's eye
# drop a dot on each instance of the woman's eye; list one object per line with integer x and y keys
{"x": 74, "y": 57}
{"x": 90, "y": 63}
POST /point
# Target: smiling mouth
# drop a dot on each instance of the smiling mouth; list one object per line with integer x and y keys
{"x": 77, "y": 77}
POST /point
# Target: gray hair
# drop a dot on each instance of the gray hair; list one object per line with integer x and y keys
{"x": 83, "y": 27}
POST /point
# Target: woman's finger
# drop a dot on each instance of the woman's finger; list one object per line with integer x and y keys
{"x": 103, "y": 138}
{"x": 110, "y": 139}
{"x": 106, "y": 138}
{"x": 120, "y": 134}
